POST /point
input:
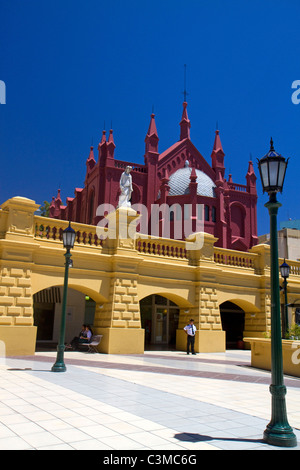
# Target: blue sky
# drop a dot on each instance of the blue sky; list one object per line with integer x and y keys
{"x": 69, "y": 66}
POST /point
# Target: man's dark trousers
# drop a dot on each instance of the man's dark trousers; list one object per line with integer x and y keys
{"x": 190, "y": 343}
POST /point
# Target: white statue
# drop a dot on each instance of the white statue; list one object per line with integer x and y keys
{"x": 126, "y": 188}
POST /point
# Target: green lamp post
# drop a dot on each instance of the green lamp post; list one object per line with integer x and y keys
{"x": 68, "y": 241}
{"x": 272, "y": 168}
{"x": 285, "y": 272}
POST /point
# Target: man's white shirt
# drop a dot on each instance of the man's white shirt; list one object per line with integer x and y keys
{"x": 190, "y": 329}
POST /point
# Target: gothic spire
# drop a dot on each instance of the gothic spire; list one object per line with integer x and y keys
{"x": 90, "y": 162}
{"x": 151, "y": 138}
{"x": 217, "y": 157}
{"x": 185, "y": 123}
{"x": 217, "y": 143}
{"x": 111, "y": 145}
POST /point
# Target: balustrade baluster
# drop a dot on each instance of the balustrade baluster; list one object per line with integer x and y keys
{"x": 54, "y": 230}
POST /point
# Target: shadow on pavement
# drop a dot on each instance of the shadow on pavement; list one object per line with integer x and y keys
{"x": 186, "y": 436}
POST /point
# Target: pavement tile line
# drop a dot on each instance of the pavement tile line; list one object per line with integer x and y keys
{"x": 224, "y": 438}
{"x": 166, "y": 370}
{"x": 142, "y": 405}
{"x": 222, "y": 392}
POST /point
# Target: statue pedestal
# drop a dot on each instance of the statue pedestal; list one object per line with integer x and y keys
{"x": 121, "y": 231}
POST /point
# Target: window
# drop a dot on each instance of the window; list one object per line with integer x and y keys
{"x": 213, "y": 214}
{"x": 206, "y": 213}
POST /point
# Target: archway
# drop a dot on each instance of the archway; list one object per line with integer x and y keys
{"x": 233, "y": 323}
{"x": 159, "y": 318}
{"x": 47, "y": 310}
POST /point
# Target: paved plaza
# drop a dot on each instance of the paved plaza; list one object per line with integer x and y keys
{"x": 159, "y": 401}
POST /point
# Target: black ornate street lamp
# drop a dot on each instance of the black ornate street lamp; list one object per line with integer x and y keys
{"x": 285, "y": 272}
{"x": 68, "y": 241}
{"x": 272, "y": 168}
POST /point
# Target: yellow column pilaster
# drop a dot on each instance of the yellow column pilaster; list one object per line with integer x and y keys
{"x": 17, "y": 331}
{"x": 120, "y": 322}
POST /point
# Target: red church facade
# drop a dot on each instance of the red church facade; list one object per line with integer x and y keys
{"x": 178, "y": 176}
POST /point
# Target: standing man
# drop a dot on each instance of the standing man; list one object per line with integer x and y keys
{"x": 190, "y": 330}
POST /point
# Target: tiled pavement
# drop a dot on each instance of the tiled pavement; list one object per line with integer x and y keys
{"x": 162, "y": 400}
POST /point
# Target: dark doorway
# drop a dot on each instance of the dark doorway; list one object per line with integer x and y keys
{"x": 89, "y": 314}
{"x": 233, "y": 323}
{"x": 159, "y": 317}
{"x": 44, "y": 303}
{"x": 44, "y": 320}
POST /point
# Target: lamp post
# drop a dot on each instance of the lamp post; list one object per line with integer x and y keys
{"x": 68, "y": 241}
{"x": 272, "y": 168}
{"x": 285, "y": 272}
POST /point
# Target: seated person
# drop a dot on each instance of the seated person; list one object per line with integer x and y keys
{"x": 84, "y": 336}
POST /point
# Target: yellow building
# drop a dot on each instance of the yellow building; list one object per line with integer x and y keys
{"x": 135, "y": 290}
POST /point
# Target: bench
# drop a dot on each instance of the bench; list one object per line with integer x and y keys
{"x": 92, "y": 345}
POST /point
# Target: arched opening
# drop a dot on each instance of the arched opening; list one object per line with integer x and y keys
{"x": 233, "y": 323}
{"x": 47, "y": 310}
{"x": 159, "y": 317}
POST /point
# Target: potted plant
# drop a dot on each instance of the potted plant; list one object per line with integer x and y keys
{"x": 293, "y": 332}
